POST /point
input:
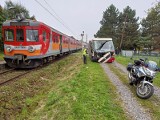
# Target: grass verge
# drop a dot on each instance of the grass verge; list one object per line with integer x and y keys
{"x": 152, "y": 104}
{"x": 123, "y": 60}
{"x": 19, "y": 98}
{"x": 87, "y": 94}
{"x": 1, "y": 56}
{"x": 64, "y": 90}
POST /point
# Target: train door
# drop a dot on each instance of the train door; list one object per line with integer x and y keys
{"x": 45, "y": 39}
{"x": 60, "y": 44}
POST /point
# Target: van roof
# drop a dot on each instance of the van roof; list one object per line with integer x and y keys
{"x": 106, "y": 39}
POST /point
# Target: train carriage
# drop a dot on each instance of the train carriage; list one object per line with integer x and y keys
{"x": 29, "y": 43}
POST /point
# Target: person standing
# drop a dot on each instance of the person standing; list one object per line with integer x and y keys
{"x": 84, "y": 55}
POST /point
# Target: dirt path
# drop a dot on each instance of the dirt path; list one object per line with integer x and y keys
{"x": 121, "y": 67}
{"x": 133, "y": 109}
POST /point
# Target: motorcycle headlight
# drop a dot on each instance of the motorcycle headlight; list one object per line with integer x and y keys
{"x": 147, "y": 71}
{"x": 31, "y": 49}
{"x": 9, "y": 48}
{"x": 153, "y": 73}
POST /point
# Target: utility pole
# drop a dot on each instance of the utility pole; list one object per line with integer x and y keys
{"x": 82, "y": 38}
{"x": 123, "y": 31}
{"x": 86, "y": 38}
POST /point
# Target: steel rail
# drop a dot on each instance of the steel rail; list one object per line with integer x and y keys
{"x": 38, "y": 68}
{"x": 11, "y": 79}
{"x": 6, "y": 71}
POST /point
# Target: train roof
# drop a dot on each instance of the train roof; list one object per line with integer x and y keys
{"x": 29, "y": 22}
{"x": 99, "y": 39}
{"x": 58, "y": 32}
{"x": 26, "y": 22}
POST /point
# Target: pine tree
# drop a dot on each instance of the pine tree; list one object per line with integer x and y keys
{"x": 151, "y": 26}
{"x": 2, "y": 19}
{"x": 109, "y": 23}
{"x": 122, "y": 27}
{"x": 128, "y": 27}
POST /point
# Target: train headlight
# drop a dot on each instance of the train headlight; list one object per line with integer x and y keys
{"x": 31, "y": 49}
{"x": 9, "y": 48}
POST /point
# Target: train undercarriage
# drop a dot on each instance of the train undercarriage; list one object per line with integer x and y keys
{"x": 21, "y": 61}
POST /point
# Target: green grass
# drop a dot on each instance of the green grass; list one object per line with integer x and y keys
{"x": 87, "y": 94}
{"x": 22, "y": 96}
{"x": 125, "y": 60}
{"x": 152, "y": 104}
{"x": 157, "y": 80}
{"x": 66, "y": 89}
{"x": 1, "y": 56}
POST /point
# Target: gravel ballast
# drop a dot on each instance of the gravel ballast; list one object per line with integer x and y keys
{"x": 132, "y": 108}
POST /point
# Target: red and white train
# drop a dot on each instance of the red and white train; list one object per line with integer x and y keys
{"x": 29, "y": 43}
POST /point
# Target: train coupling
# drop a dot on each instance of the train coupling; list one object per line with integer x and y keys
{"x": 20, "y": 59}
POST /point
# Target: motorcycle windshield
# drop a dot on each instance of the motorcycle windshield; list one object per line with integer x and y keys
{"x": 152, "y": 65}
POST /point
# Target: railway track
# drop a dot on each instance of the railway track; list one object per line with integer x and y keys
{"x": 11, "y": 74}
{"x": 8, "y": 75}
{"x": 5, "y": 71}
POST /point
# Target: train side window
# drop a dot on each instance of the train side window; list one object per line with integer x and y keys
{"x": 32, "y": 35}
{"x": 9, "y": 35}
{"x": 66, "y": 41}
{"x": 44, "y": 36}
{"x": 20, "y": 35}
{"x": 53, "y": 39}
{"x": 57, "y": 39}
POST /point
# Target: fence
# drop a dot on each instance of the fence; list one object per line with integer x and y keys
{"x": 155, "y": 56}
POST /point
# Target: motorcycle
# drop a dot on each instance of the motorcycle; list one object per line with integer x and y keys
{"x": 141, "y": 75}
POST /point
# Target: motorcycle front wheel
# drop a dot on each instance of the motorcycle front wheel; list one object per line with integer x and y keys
{"x": 130, "y": 78}
{"x": 145, "y": 92}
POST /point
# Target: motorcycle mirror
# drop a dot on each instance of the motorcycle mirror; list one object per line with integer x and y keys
{"x": 141, "y": 59}
{"x": 146, "y": 59}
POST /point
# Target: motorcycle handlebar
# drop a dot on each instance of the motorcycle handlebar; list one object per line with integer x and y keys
{"x": 143, "y": 63}
{"x": 158, "y": 69}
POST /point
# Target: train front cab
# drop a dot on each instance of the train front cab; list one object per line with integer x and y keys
{"x": 24, "y": 45}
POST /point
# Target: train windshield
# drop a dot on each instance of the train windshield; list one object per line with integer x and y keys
{"x": 104, "y": 45}
{"x": 20, "y": 35}
{"x": 32, "y": 35}
{"x": 9, "y": 35}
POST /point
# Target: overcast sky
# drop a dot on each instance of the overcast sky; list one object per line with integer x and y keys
{"x": 76, "y": 16}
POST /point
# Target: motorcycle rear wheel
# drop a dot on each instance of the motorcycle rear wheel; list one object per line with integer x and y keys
{"x": 145, "y": 92}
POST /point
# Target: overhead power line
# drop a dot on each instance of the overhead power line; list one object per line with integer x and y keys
{"x": 55, "y": 17}
{"x": 53, "y": 11}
